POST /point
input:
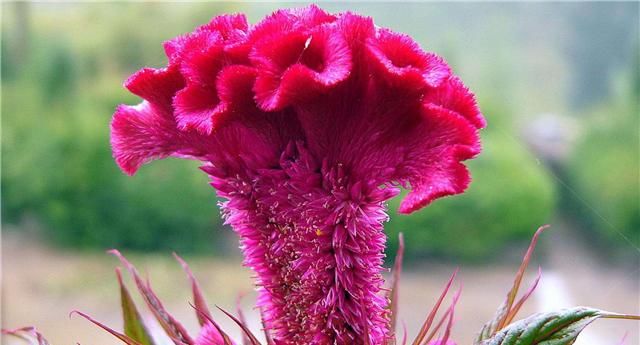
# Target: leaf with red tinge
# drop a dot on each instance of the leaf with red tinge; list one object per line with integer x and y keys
{"x": 557, "y": 328}
{"x": 28, "y": 334}
{"x": 245, "y": 329}
{"x": 404, "y": 333}
{"x": 125, "y": 339}
{"x": 245, "y": 339}
{"x": 395, "y": 284}
{"x": 624, "y": 338}
{"x": 174, "y": 329}
{"x": 516, "y": 307}
{"x": 267, "y": 334}
{"x": 427, "y": 323}
{"x": 448, "y": 315}
{"x": 198, "y": 297}
{"x": 447, "y": 331}
{"x": 227, "y": 340}
{"x": 505, "y": 312}
{"x": 134, "y": 327}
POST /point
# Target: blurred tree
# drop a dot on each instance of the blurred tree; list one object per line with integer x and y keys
{"x": 16, "y": 38}
{"x": 601, "y": 42}
{"x": 603, "y": 173}
{"x": 55, "y": 147}
{"x": 58, "y": 73}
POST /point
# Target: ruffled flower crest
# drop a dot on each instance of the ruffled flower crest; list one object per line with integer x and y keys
{"x": 306, "y": 122}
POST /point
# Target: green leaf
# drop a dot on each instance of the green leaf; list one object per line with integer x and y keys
{"x": 133, "y": 325}
{"x": 555, "y": 328}
{"x": 171, "y": 326}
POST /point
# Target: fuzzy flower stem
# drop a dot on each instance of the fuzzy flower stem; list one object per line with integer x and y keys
{"x": 315, "y": 240}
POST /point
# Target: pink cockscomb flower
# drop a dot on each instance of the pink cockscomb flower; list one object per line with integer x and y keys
{"x": 307, "y": 122}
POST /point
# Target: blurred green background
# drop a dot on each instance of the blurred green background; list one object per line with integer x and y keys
{"x": 558, "y": 83}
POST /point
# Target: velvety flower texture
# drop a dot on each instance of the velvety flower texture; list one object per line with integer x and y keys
{"x": 307, "y": 122}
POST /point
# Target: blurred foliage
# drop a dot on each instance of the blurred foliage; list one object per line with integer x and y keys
{"x": 604, "y": 171}
{"x": 594, "y": 62}
{"x": 69, "y": 181}
{"x": 57, "y": 104}
{"x": 63, "y": 65}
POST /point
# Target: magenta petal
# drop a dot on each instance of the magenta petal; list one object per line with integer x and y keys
{"x": 198, "y": 105}
{"x": 295, "y": 66}
{"x": 232, "y": 27}
{"x": 235, "y": 85}
{"x": 139, "y": 134}
{"x": 156, "y": 85}
{"x": 433, "y": 167}
{"x": 145, "y": 132}
{"x": 196, "y": 108}
{"x": 453, "y": 95}
{"x": 289, "y": 20}
{"x": 401, "y": 61}
{"x": 203, "y": 59}
{"x": 229, "y": 30}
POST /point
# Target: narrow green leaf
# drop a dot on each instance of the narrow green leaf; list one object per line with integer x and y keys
{"x": 171, "y": 326}
{"x": 133, "y": 325}
{"x": 555, "y": 328}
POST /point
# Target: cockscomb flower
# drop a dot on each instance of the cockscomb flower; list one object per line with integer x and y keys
{"x": 307, "y": 123}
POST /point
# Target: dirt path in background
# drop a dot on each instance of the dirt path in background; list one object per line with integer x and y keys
{"x": 41, "y": 286}
{"x": 575, "y": 276}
